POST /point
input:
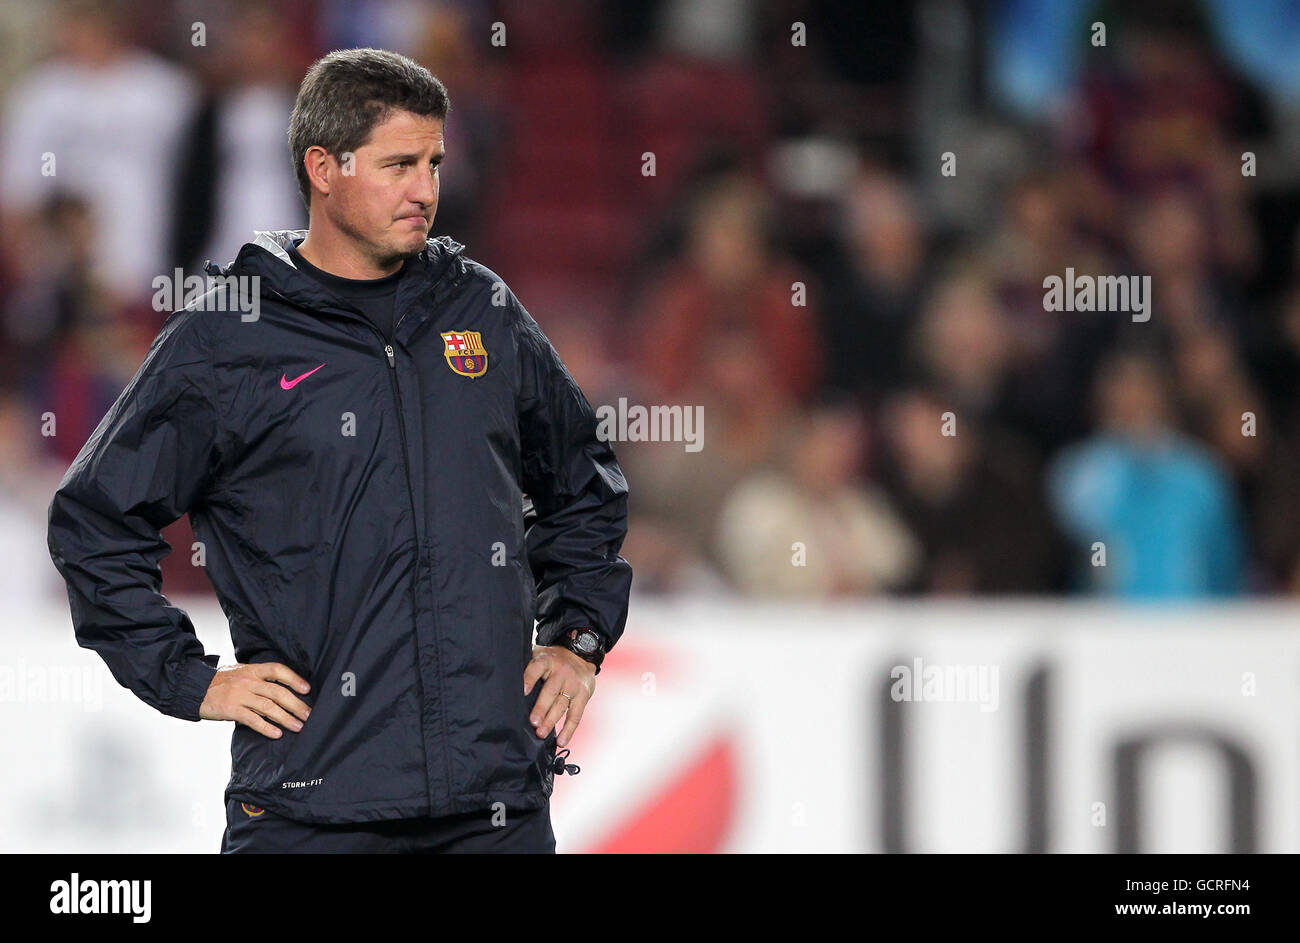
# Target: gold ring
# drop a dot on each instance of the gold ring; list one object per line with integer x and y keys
{"x": 569, "y": 696}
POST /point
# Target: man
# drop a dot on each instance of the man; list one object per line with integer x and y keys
{"x": 354, "y": 460}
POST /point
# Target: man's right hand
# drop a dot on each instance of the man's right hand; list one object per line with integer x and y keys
{"x": 255, "y": 695}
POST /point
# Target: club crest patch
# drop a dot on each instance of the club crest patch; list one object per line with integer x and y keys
{"x": 465, "y": 353}
{"x": 251, "y": 810}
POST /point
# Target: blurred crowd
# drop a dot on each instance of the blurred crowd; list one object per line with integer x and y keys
{"x": 832, "y": 239}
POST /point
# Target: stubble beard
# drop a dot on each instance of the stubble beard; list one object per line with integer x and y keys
{"x": 383, "y": 253}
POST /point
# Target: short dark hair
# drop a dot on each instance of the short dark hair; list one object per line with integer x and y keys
{"x": 346, "y": 93}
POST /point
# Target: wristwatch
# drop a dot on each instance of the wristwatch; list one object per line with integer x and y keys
{"x": 587, "y": 644}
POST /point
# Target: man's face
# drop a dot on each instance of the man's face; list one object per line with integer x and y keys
{"x": 387, "y": 204}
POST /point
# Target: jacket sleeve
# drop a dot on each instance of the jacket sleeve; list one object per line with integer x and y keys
{"x": 578, "y": 494}
{"x": 148, "y": 461}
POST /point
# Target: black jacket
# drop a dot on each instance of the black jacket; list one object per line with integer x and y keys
{"x": 360, "y": 502}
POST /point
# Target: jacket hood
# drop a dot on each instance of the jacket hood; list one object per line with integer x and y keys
{"x": 267, "y": 256}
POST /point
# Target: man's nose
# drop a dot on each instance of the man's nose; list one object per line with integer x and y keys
{"x": 423, "y": 191}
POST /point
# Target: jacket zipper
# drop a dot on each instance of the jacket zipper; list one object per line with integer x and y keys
{"x": 419, "y": 550}
{"x": 415, "y": 521}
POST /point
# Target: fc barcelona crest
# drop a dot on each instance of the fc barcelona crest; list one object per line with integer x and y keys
{"x": 465, "y": 353}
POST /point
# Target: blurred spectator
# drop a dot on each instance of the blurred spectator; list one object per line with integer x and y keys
{"x": 1170, "y": 239}
{"x": 873, "y": 285}
{"x": 102, "y": 121}
{"x": 729, "y": 283}
{"x": 235, "y": 174}
{"x": 1257, "y": 442}
{"x": 964, "y": 345}
{"x": 744, "y": 415}
{"x": 476, "y": 127}
{"x": 1162, "y": 505}
{"x": 91, "y": 367}
{"x": 56, "y": 292}
{"x": 810, "y": 526}
{"x": 72, "y": 346}
{"x": 971, "y": 498}
{"x": 1054, "y": 353}
{"x": 1158, "y": 109}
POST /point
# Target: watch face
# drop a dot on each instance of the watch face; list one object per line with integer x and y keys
{"x": 586, "y": 642}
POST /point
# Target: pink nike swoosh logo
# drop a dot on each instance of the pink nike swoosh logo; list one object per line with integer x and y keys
{"x": 287, "y": 384}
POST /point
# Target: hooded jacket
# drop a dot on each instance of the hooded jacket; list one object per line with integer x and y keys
{"x": 387, "y": 516}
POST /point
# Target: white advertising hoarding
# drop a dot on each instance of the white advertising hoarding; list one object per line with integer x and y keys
{"x": 923, "y": 727}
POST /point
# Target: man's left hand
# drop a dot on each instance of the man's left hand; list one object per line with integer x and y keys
{"x": 570, "y": 683}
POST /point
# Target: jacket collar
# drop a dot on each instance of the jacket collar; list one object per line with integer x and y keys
{"x": 267, "y": 256}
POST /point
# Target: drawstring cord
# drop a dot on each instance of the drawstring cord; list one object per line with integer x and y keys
{"x": 558, "y": 766}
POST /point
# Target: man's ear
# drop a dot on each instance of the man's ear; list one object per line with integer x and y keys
{"x": 317, "y": 164}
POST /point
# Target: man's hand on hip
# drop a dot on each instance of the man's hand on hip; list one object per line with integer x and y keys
{"x": 255, "y": 695}
{"x": 570, "y": 683}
